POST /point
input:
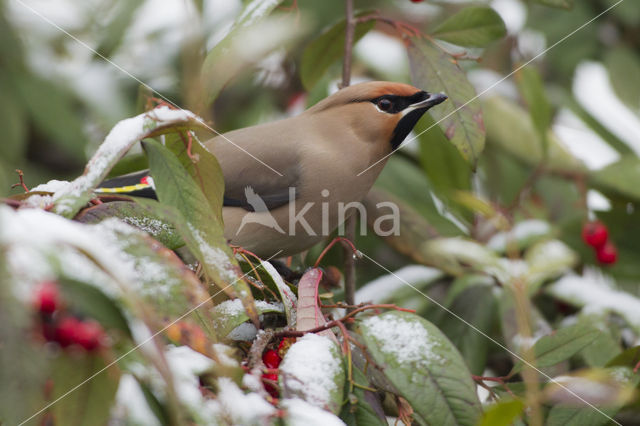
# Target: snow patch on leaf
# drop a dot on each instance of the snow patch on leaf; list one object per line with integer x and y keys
{"x": 312, "y": 370}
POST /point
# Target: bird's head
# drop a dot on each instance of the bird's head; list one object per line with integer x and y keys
{"x": 381, "y": 111}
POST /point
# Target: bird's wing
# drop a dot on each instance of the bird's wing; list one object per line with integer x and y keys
{"x": 250, "y": 160}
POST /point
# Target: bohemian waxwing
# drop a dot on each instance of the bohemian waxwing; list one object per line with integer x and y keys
{"x": 288, "y": 184}
{"x": 310, "y": 164}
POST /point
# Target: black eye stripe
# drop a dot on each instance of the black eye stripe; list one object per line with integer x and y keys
{"x": 399, "y": 103}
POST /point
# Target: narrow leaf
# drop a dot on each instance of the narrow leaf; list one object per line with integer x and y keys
{"x": 460, "y": 118}
{"x": 561, "y": 345}
{"x": 472, "y": 27}
{"x": 623, "y": 66}
{"x": 203, "y": 231}
{"x": 532, "y": 90}
{"x": 621, "y": 177}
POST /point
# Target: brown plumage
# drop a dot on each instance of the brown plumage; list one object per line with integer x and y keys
{"x": 319, "y": 154}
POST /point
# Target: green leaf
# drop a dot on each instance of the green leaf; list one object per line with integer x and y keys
{"x": 363, "y": 407}
{"x": 461, "y": 120}
{"x": 532, "y": 90}
{"x": 89, "y": 405}
{"x": 623, "y": 65}
{"x": 628, "y": 358}
{"x": 326, "y": 49}
{"x": 13, "y": 122}
{"x": 135, "y": 215}
{"x": 621, "y": 177}
{"x": 472, "y": 27}
{"x": 202, "y": 166}
{"x": 561, "y": 345}
{"x": 562, "y": 4}
{"x": 476, "y": 304}
{"x": 252, "y": 37}
{"x": 203, "y": 231}
{"x": 424, "y": 367}
{"x": 504, "y": 413}
{"x": 115, "y": 30}
{"x": 510, "y": 129}
{"x": 606, "y": 346}
{"x": 287, "y": 297}
{"x": 441, "y": 161}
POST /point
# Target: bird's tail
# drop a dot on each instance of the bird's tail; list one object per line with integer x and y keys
{"x": 137, "y": 184}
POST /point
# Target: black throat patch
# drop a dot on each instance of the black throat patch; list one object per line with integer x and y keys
{"x": 404, "y": 126}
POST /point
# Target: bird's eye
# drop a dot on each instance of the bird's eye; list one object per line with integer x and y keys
{"x": 385, "y": 104}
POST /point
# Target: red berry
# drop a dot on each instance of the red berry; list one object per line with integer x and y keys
{"x": 66, "y": 331}
{"x": 47, "y": 297}
{"x": 89, "y": 335}
{"x": 268, "y": 386}
{"x": 595, "y": 234}
{"x": 271, "y": 359}
{"x": 607, "y": 254}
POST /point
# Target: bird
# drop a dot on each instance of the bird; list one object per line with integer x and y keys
{"x": 295, "y": 174}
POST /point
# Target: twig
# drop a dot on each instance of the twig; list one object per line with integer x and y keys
{"x": 347, "y": 245}
{"x": 350, "y": 223}
{"x": 334, "y": 323}
{"x": 21, "y": 183}
{"x": 501, "y": 380}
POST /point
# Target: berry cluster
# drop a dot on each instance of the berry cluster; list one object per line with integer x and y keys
{"x": 596, "y": 234}
{"x": 58, "y": 325}
{"x": 272, "y": 359}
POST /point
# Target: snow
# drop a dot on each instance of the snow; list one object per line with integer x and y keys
{"x": 512, "y": 12}
{"x": 524, "y": 230}
{"x": 582, "y": 142}
{"x": 381, "y": 289}
{"x": 309, "y": 369}
{"x": 118, "y": 141}
{"x": 596, "y": 294}
{"x": 131, "y": 406}
{"x": 405, "y": 341}
{"x": 597, "y": 201}
{"x": 240, "y": 408}
{"x": 592, "y": 89}
{"x": 385, "y": 54}
{"x": 46, "y": 233}
{"x": 214, "y": 256}
{"x": 301, "y": 413}
{"x": 148, "y": 224}
{"x": 185, "y": 365}
{"x": 51, "y": 186}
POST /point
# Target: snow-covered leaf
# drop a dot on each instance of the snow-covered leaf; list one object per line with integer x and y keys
{"x": 597, "y": 295}
{"x": 135, "y": 215}
{"x": 424, "y": 367}
{"x": 287, "y": 296}
{"x": 313, "y": 370}
{"x": 302, "y": 413}
{"x": 458, "y": 254}
{"x": 69, "y": 200}
{"x": 230, "y": 314}
{"x": 521, "y": 236}
{"x": 608, "y": 389}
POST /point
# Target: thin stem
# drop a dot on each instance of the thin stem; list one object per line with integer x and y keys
{"x": 350, "y": 225}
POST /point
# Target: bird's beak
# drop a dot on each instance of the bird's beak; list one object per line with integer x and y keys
{"x": 431, "y": 100}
